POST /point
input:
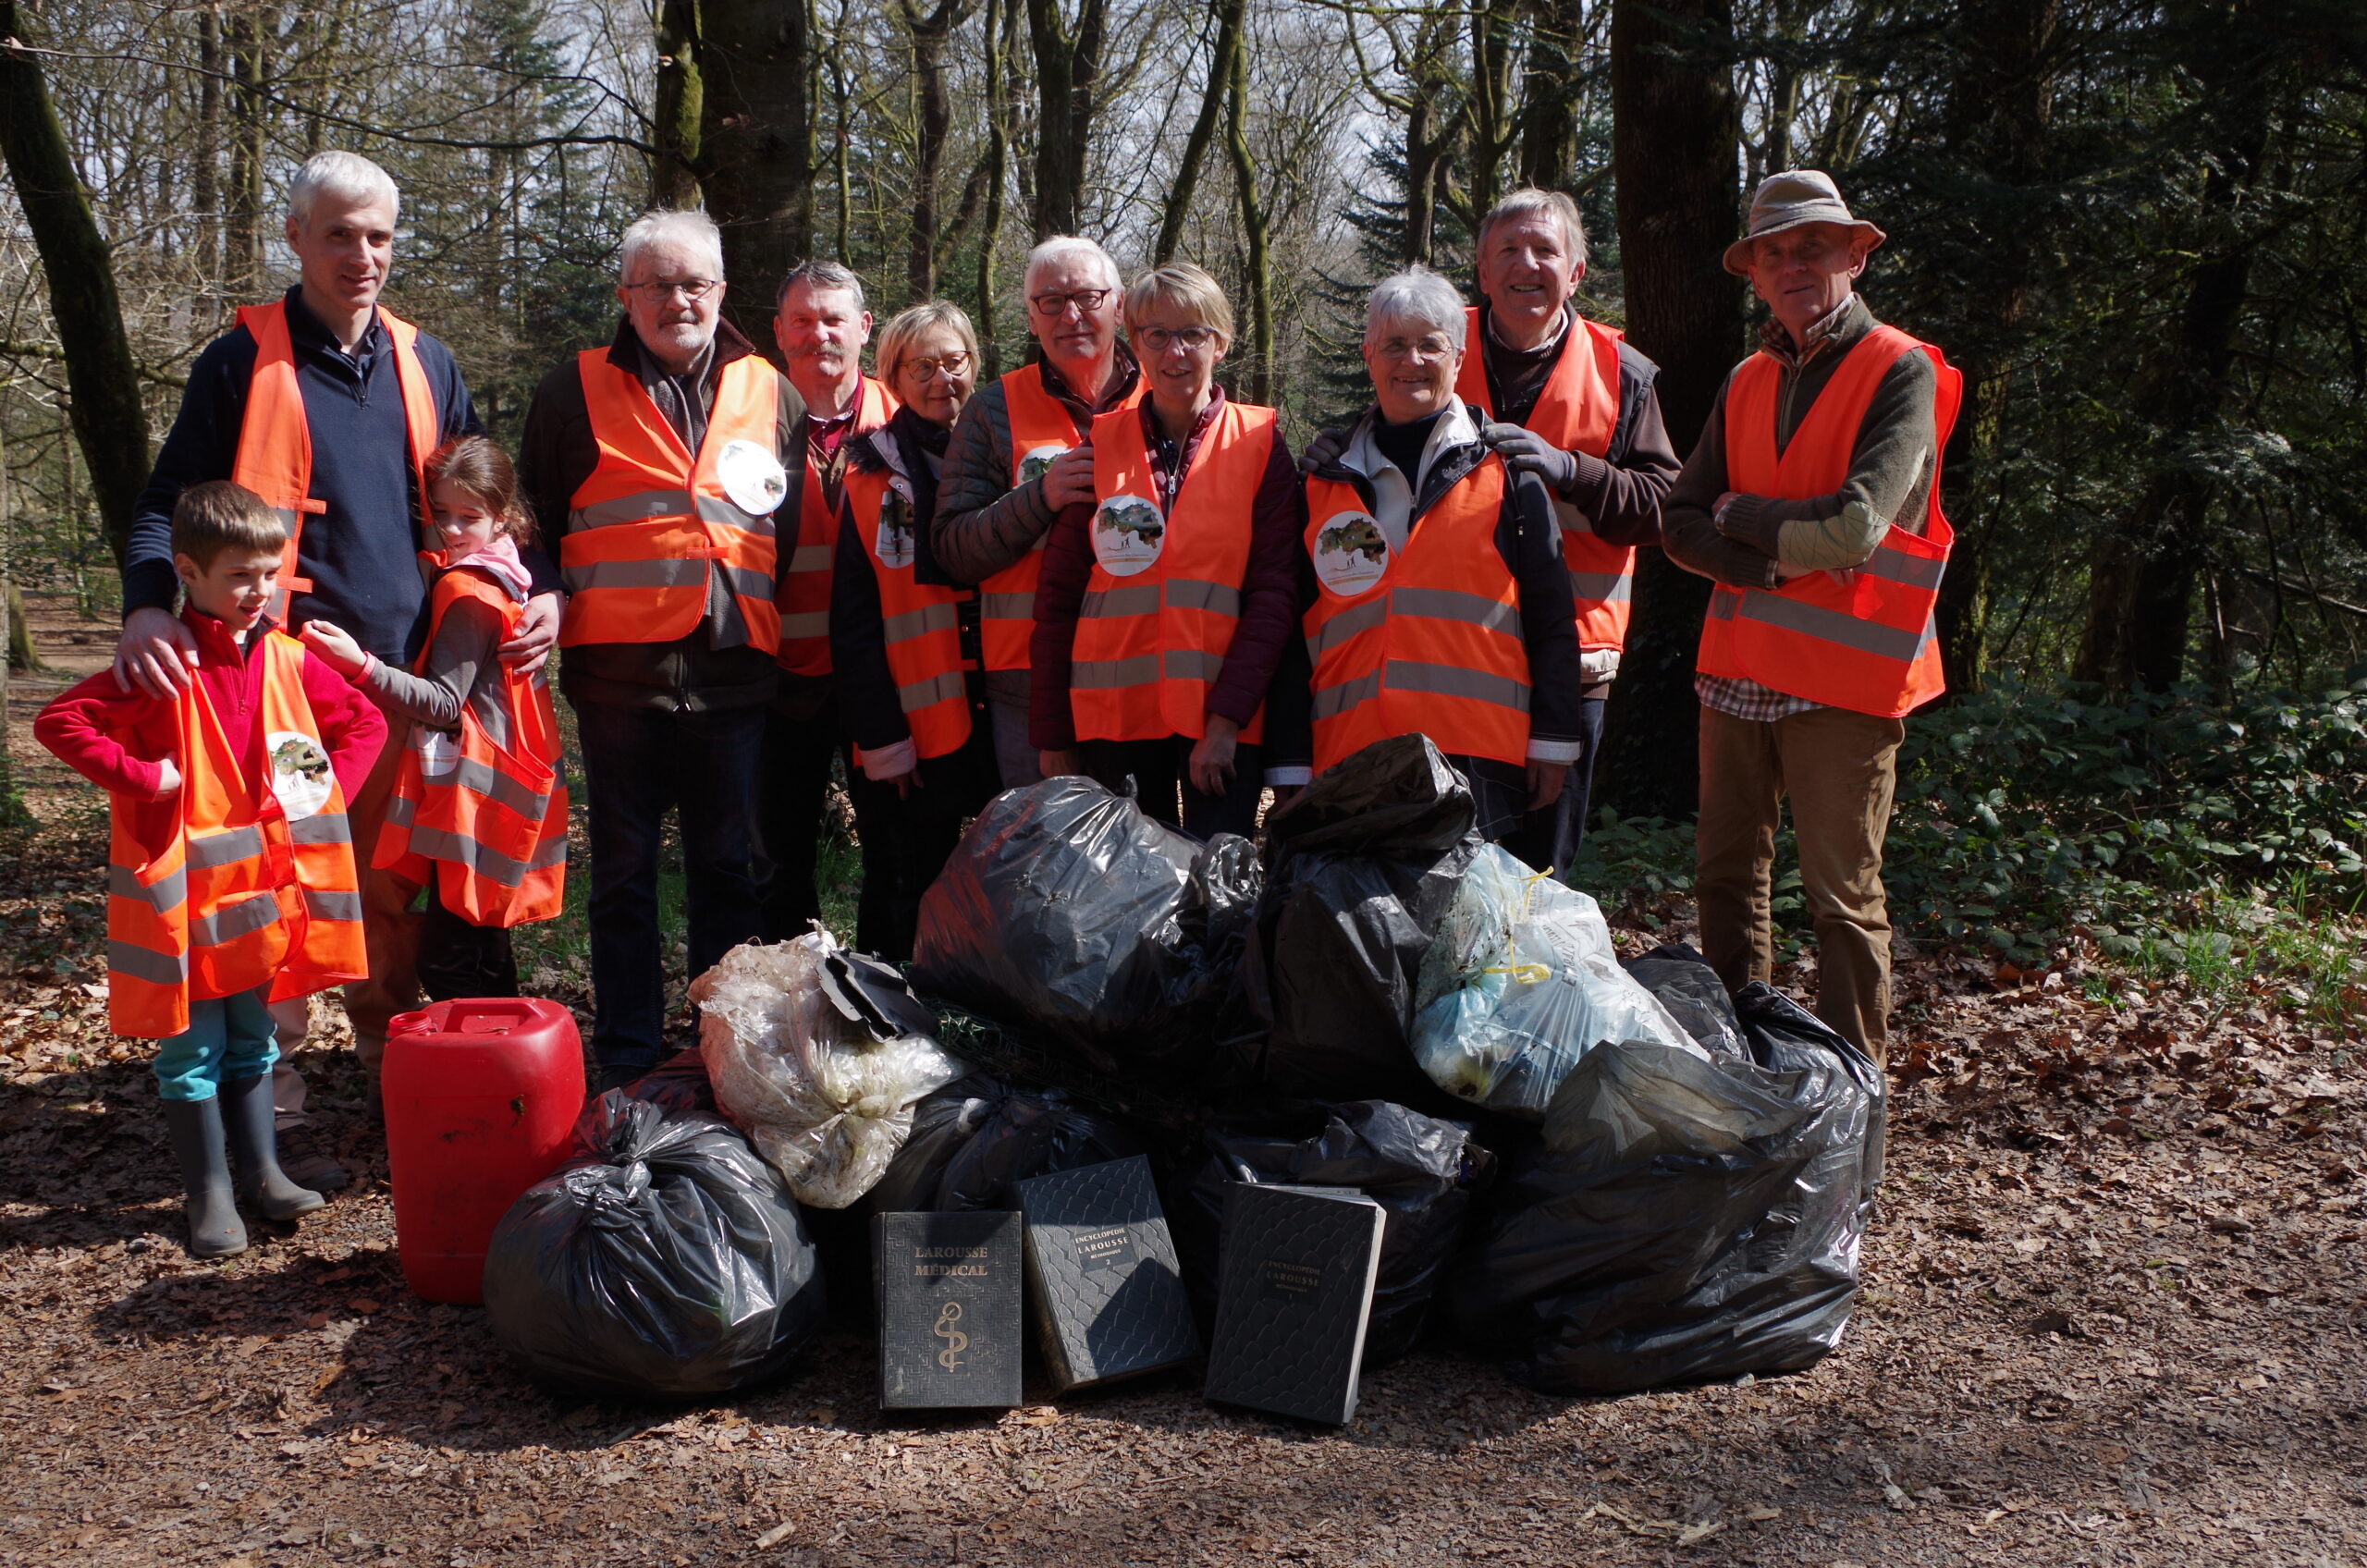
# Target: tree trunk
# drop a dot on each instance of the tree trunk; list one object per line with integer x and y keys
{"x": 103, "y": 381}
{"x": 1252, "y": 229}
{"x": 243, "y": 229}
{"x": 207, "y": 154}
{"x": 674, "y": 127}
{"x": 755, "y": 160}
{"x": 1673, "y": 131}
{"x": 1068, "y": 79}
{"x": 930, "y": 34}
{"x": 1549, "y": 97}
{"x": 1213, "y": 100}
{"x": 999, "y": 28}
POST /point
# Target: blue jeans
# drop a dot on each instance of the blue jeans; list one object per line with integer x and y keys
{"x": 1548, "y": 839}
{"x": 229, "y": 1037}
{"x": 638, "y": 761}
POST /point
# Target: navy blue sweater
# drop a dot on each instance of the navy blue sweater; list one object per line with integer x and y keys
{"x": 362, "y": 553}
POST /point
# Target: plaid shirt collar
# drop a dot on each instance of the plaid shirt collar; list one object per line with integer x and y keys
{"x": 1821, "y": 333}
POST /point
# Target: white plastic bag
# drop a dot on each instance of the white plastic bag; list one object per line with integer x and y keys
{"x": 824, "y": 1103}
{"x": 1521, "y": 982}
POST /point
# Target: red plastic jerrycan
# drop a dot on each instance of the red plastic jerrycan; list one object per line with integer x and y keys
{"x": 480, "y": 1099}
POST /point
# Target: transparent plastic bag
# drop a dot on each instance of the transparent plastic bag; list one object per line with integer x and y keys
{"x": 1521, "y": 982}
{"x": 824, "y": 1101}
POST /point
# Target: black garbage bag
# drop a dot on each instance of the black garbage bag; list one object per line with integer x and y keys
{"x": 1421, "y": 1169}
{"x": 1066, "y": 911}
{"x": 976, "y": 1139}
{"x": 676, "y": 1084}
{"x": 1694, "y": 994}
{"x": 668, "y": 1260}
{"x": 1685, "y": 1220}
{"x": 1360, "y": 870}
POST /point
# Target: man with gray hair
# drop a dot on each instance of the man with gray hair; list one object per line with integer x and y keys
{"x": 1019, "y": 454}
{"x": 1568, "y": 400}
{"x": 326, "y": 404}
{"x": 668, "y": 466}
{"x": 1434, "y": 597}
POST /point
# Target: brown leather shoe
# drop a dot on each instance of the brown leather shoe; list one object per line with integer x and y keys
{"x": 304, "y": 1162}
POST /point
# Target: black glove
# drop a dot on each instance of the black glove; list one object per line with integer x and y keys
{"x": 1323, "y": 451}
{"x": 1525, "y": 451}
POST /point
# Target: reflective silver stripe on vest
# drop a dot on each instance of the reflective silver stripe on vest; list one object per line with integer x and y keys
{"x": 810, "y": 558}
{"x": 322, "y": 828}
{"x": 937, "y": 688}
{"x": 1330, "y": 702}
{"x": 721, "y": 513}
{"x": 398, "y": 810}
{"x": 322, "y": 904}
{"x": 232, "y": 921}
{"x": 1007, "y": 607}
{"x": 1831, "y": 626}
{"x": 1347, "y": 623}
{"x": 917, "y": 623}
{"x": 811, "y": 623}
{"x": 1450, "y": 604}
{"x": 1603, "y": 587}
{"x": 164, "y": 893}
{"x": 1192, "y": 664}
{"x": 437, "y": 844}
{"x": 1115, "y": 604}
{"x": 1453, "y": 680}
{"x": 747, "y": 582}
{"x": 146, "y": 963}
{"x": 1190, "y": 593}
{"x": 479, "y": 779}
{"x": 1897, "y": 566}
{"x": 1106, "y": 675}
{"x": 653, "y": 505}
{"x": 224, "y": 848}
{"x": 671, "y": 573}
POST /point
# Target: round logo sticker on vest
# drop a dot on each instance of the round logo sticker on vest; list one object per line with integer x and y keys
{"x": 751, "y": 476}
{"x": 894, "y": 543}
{"x": 301, "y": 774}
{"x": 1350, "y": 554}
{"x": 1035, "y": 462}
{"x": 1127, "y": 532}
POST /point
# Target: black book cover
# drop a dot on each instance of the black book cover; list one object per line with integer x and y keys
{"x": 1102, "y": 1280}
{"x": 949, "y": 1309}
{"x": 1293, "y": 1292}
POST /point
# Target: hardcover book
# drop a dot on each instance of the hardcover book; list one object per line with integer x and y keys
{"x": 1102, "y": 1280}
{"x": 1294, "y": 1279}
{"x": 949, "y": 1289}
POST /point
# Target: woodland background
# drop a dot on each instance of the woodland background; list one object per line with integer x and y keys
{"x": 2135, "y": 224}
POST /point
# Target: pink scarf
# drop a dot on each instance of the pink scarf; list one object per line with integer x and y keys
{"x": 498, "y": 561}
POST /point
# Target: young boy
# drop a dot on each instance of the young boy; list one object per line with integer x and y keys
{"x": 232, "y": 878}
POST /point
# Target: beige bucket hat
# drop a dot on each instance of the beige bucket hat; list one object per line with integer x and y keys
{"x": 1787, "y": 200}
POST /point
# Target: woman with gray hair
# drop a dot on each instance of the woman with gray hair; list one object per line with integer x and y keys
{"x": 1433, "y": 594}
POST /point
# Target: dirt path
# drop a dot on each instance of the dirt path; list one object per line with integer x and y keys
{"x": 2112, "y": 1316}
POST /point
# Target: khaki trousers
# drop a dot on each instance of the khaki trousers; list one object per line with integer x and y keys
{"x": 1839, "y": 769}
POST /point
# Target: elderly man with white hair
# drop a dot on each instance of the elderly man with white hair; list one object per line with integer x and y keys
{"x": 669, "y": 465}
{"x": 326, "y": 404}
{"x": 1435, "y": 600}
{"x": 1019, "y": 454}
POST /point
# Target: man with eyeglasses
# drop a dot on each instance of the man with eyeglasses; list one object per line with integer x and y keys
{"x": 821, "y": 327}
{"x": 1020, "y": 455}
{"x": 670, "y": 466}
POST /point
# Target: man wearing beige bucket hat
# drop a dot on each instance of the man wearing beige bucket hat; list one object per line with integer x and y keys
{"x": 1812, "y": 502}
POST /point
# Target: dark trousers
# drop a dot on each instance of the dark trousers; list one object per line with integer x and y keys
{"x": 795, "y": 782}
{"x": 637, "y": 762}
{"x": 906, "y": 841}
{"x": 1548, "y": 839}
{"x": 1162, "y": 772}
{"x": 458, "y": 961}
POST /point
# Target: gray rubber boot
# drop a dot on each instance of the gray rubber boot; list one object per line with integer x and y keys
{"x": 215, "y": 1229}
{"x": 247, "y": 1114}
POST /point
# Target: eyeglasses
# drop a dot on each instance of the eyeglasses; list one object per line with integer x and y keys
{"x": 1434, "y": 347}
{"x": 690, "y": 289}
{"x": 1157, "y": 339}
{"x": 954, "y": 364}
{"x": 1087, "y": 301}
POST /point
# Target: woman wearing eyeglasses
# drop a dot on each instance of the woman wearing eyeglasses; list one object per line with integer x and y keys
{"x": 1434, "y": 594}
{"x": 1166, "y": 602}
{"x": 910, "y": 693}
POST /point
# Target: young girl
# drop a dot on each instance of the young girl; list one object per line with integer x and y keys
{"x": 478, "y": 808}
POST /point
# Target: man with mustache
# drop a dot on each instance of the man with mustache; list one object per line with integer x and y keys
{"x": 821, "y": 327}
{"x": 670, "y": 466}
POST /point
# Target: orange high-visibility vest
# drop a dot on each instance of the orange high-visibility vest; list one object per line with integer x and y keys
{"x": 491, "y": 830}
{"x": 275, "y": 457}
{"x": 1579, "y": 411}
{"x": 1424, "y": 641}
{"x": 1866, "y": 639}
{"x": 654, "y": 518}
{"x": 1160, "y": 614}
{"x": 254, "y": 888}
{"x": 921, "y": 623}
{"x": 1040, "y": 431}
{"x": 805, "y": 585}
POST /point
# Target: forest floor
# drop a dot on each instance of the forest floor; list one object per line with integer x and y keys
{"x": 2112, "y": 1315}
